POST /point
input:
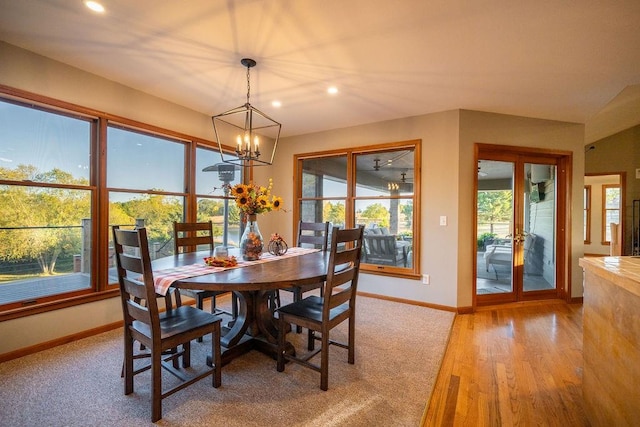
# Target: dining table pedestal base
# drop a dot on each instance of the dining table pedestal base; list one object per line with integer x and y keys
{"x": 255, "y": 327}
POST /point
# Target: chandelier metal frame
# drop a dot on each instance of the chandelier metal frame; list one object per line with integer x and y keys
{"x": 251, "y": 125}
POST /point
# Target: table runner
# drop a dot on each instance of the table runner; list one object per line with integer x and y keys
{"x": 163, "y": 279}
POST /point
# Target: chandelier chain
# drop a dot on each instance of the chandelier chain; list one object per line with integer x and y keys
{"x": 248, "y": 84}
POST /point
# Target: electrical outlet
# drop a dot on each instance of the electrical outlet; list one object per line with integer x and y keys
{"x": 426, "y": 279}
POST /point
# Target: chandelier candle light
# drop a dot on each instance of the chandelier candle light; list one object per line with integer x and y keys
{"x": 248, "y": 125}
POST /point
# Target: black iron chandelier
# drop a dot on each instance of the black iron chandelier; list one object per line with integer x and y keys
{"x": 248, "y": 130}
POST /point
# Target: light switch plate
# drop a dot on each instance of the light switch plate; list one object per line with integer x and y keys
{"x": 443, "y": 220}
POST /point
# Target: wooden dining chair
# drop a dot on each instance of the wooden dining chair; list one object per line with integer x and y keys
{"x": 189, "y": 237}
{"x": 158, "y": 332}
{"x": 323, "y": 314}
{"x": 315, "y": 234}
{"x": 171, "y": 300}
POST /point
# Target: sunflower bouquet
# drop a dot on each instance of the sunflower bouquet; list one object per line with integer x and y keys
{"x": 253, "y": 199}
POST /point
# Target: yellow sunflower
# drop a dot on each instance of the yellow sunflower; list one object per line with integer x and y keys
{"x": 240, "y": 190}
{"x": 263, "y": 202}
{"x": 276, "y": 203}
{"x": 242, "y": 201}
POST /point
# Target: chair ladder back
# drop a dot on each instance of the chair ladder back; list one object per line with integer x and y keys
{"x": 168, "y": 337}
{"x": 138, "y": 296}
{"x": 313, "y": 233}
{"x": 189, "y": 235}
{"x": 344, "y": 265}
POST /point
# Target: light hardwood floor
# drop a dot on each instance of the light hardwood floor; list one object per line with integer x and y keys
{"x": 512, "y": 366}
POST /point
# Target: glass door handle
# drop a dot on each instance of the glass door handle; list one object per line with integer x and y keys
{"x": 519, "y": 237}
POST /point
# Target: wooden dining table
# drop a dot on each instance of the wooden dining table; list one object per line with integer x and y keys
{"x": 254, "y": 285}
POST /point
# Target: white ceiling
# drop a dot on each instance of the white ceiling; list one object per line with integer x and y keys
{"x": 560, "y": 60}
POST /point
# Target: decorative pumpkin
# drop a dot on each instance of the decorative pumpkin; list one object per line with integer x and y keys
{"x": 277, "y": 245}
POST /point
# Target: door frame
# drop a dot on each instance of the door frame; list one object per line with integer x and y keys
{"x": 622, "y": 176}
{"x": 564, "y": 161}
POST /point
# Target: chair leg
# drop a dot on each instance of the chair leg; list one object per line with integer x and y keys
{"x": 156, "y": 386}
{"x": 352, "y": 336}
{"x": 200, "y": 305}
{"x": 186, "y": 355}
{"x": 324, "y": 362}
{"x": 311, "y": 340}
{"x": 176, "y": 360}
{"x": 281, "y": 336}
{"x": 127, "y": 365}
{"x": 217, "y": 356}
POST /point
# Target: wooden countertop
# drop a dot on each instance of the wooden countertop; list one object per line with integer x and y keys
{"x": 624, "y": 271}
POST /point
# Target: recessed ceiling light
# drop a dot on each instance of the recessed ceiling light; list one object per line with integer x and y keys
{"x": 332, "y": 90}
{"x": 277, "y": 104}
{"x": 95, "y": 6}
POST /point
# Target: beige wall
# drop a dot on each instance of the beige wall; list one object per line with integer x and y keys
{"x": 439, "y": 134}
{"x": 619, "y": 153}
{"x": 24, "y": 70}
{"x": 447, "y": 182}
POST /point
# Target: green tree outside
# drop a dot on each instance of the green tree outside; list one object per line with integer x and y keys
{"x": 53, "y": 209}
{"x": 334, "y": 213}
{"x": 407, "y": 211}
{"x": 158, "y": 211}
{"x": 376, "y": 213}
{"x": 43, "y": 224}
{"x": 494, "y": 207}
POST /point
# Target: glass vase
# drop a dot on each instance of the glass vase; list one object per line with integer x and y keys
{"x": 251, "y": 243}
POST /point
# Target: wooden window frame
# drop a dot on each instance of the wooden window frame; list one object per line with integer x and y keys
{"x": 350, "y": 199}
{"x": 587, "y": 214}
{"x": 101, "y": 289}
{"x": 604, "y": 240}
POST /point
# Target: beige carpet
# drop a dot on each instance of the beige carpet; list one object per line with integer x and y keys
{"x": 399, "y": 349}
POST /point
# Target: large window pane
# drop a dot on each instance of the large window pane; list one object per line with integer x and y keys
{"x": 324, "y": 177}
{"x": 322, "y": 211}
{"x": 380, "y": 198}
{"x": 213, "y": 181}
{"x": 43, "y": 147}
{"x": 46, "y": 225}
{"x": 611, "y": 203}
{"x": 214, "y": 210}
{"x": 45, "y": 242}
{"x": 388, "y": 227}
{"x": 155, "y": 212}
{"x": 144, "y": 162}
{"x": 612, "y": 197}
{"x": 587, "y": 214}
{"x": 387, "y": 177}
{"x": 385, "y": 173}
{"x": 212, "y": 173}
